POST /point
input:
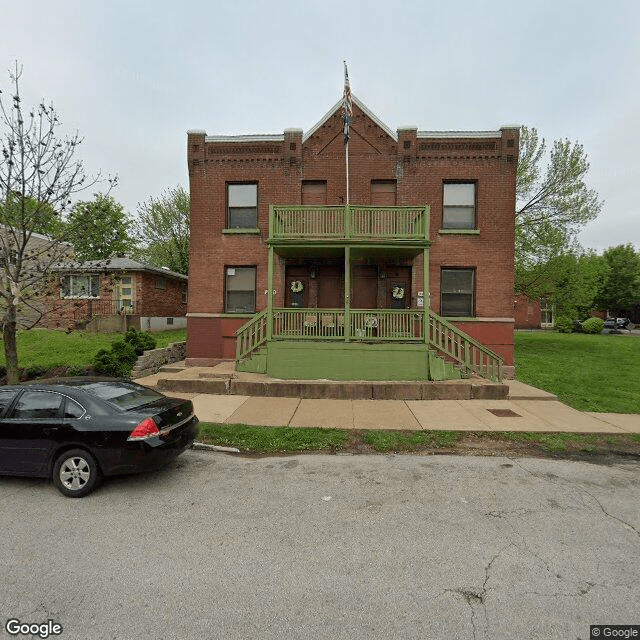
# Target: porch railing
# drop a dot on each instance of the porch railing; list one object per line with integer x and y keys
{"x": 353, "y": 222}
{"x": 375, "y": 325}
{"x": 90, "y": 308}
{"x": 372, "y": 325}
{"x": 462, "y": 348}
{"x": 251, "y": 336}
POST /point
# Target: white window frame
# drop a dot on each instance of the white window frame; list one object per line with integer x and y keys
{"x": 470, "y": 208}
{"x": 75, "y": 296}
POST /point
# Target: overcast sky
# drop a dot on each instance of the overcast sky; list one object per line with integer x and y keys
{"x": 132, "y": 77}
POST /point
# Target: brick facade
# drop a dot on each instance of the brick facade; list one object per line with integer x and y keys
{"x": 417, "y": 163}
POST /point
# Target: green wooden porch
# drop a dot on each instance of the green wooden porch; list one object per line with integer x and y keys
{"x": 348, "y": 343}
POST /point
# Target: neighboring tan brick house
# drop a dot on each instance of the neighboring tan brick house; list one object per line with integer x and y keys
{"x": 270, "y": 232}
{"x": 117, "y": 291}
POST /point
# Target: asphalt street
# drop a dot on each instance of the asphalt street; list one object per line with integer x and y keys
{"x": 216, "y": 546}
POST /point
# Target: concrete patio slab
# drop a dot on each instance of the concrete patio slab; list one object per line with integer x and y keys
{"x": 383, "y": 414}
{"x": 443, "y": 415}
{"x": 332, "y": 414}
{"x": 269, "y": 412}
{"x": 212, "y": 408}
{"x": 561, "y": 418}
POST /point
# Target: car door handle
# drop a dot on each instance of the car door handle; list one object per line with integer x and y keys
{"x": 50, "y": 430}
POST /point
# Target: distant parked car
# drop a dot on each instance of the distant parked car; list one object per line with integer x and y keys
{"x": 617, "y": 323}
{"x": 75, "y": 430}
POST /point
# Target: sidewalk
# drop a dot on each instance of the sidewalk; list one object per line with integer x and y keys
{"x": 527, "y": 409}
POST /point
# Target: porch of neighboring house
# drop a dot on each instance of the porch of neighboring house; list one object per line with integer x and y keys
{"x": 355, "y": 301}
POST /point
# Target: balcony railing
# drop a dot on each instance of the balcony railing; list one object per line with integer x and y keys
{"x": 349, "y": 222}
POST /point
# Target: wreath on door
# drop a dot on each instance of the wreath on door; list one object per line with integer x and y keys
{"x": 297, "y": 286}
{"x": 398, "y": 293}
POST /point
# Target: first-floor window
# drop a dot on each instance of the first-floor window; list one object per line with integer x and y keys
{"x": 80, "y": 286}
{"x": 240, "y": 290}
{"x": 456, "y": 292}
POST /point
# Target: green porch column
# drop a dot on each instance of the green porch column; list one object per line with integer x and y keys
{"x": 347, "y": 293}
{"x": 426, "y": 298}
{"x": 270, "y": 295}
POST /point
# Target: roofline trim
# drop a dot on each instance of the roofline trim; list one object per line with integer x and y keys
{"x": 459, "y": 134}
{"x": 276, "y": 137}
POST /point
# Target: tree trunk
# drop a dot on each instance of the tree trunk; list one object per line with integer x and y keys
{"x": 10, "y": 345}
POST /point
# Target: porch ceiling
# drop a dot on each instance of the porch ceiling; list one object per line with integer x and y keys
{"x": 374, "y": 251}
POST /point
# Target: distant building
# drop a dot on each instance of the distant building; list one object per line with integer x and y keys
{"x": 117, "y": 293}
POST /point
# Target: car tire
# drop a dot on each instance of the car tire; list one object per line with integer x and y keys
{"x": 75, "y": 473}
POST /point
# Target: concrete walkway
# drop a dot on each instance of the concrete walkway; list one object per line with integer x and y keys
{"x": 527, "y": 409}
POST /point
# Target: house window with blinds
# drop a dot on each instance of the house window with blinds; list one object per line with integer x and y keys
{"x": 240, "y": 290}
{"x": 457, "y": 292}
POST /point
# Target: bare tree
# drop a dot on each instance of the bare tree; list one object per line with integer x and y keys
{"x": 38, "y": 176}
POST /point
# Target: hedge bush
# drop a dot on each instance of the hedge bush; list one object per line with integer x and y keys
{"x": 119, "y": 360}
{"x": 593, "y": 325}
{"x": 564, "y": 324}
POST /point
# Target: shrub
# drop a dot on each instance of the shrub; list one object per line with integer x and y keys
{"x": 118, "y": 361}
{"x": 564, "y": 324}
{"x": 593, "y": 325}
{"x": 141, "y": 341}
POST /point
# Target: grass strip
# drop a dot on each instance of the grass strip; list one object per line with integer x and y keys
{"x": 269, "y": 440}
{"x": 384, "y": 441}
{"x": 273, "y": 439}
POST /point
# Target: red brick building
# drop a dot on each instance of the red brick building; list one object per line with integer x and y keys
{"x": 262, "y": 203}
{"x": 127, "y": 291}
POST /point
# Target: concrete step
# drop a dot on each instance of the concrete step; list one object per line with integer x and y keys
{"x": 471, "y": 389}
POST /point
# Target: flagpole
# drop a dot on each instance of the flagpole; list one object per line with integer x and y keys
{"x": 346, "y": 152}
{"x": 347, "y": 113}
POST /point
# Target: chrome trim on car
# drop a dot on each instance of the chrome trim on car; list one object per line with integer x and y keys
{"x": 175, "y": 426}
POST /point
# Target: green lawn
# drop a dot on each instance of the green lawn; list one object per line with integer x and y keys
{"x": 587, "y": 372}
{"x": 46, "y": 348}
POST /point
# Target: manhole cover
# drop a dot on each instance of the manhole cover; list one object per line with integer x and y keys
{"x": 504, "y": 413}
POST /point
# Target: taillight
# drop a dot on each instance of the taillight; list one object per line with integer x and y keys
{"x": 145, "y": 429}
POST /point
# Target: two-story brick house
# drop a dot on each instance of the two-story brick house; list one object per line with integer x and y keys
{"x": 291, "y": 277}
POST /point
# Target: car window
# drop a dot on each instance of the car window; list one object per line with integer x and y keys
{"x": 125, "y": 395}
{"x": 6, "y": 398}
{"x": 72, "y": 409}
{"x": 37, "y": 404}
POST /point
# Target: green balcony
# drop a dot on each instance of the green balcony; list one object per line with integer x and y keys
{"x": 351, "y": 224}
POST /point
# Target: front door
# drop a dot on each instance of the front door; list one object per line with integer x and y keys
{"x": 364, "y": 287}
{"x": 398, "y": 288}
{"x": 297, "y": 292}
{"x": 330, "y": 287}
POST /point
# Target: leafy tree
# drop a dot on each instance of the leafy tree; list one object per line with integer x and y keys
{"x": 571, "y": 281}
{"x": 553, "y": 201}
{"x": 98, "y": 229}
{"x": 39, "y": 174}
{"x": 163, "y": 230}
{"x": 620, "y": 290}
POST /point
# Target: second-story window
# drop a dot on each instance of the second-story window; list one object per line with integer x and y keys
{"x": 80, "y": 286}
{"x": 459, "y": 205}
{"x": 242, "y": 206}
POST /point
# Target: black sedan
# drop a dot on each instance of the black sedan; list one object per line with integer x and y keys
{"x": 76, "y": 430}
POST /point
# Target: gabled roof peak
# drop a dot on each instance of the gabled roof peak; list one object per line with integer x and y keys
{"x": 362, "y": 107}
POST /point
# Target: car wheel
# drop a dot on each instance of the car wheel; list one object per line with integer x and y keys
{"x": 75, "y": 473}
